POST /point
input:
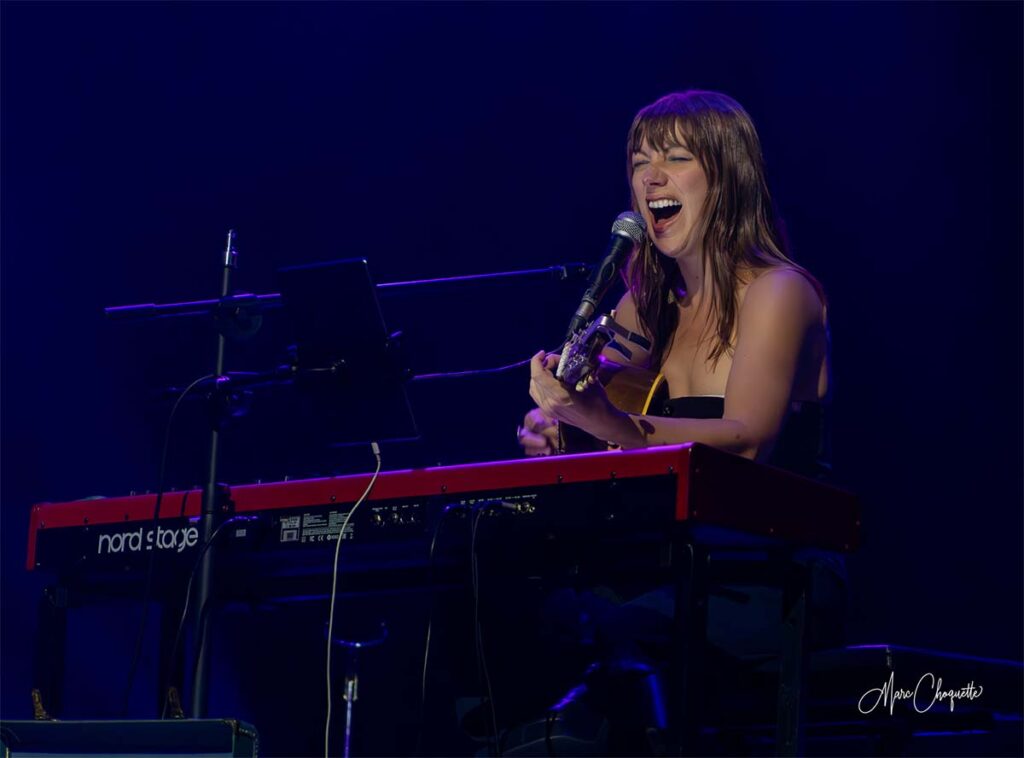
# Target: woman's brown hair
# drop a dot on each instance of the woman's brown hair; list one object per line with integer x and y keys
{"x": 740, "y": 230}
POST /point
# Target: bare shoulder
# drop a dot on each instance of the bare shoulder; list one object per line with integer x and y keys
{"x": 783, "y": 292}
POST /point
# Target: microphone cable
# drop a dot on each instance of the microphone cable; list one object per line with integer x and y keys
{"x": 334, "y": 591}
{"x": 184, "y": 611}
{"x": 481, "y": 659}
{"x": 430, "y": 620}
{"x": 148, "y": 587}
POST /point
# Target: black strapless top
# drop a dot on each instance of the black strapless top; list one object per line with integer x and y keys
{"x": 801, "y": 447}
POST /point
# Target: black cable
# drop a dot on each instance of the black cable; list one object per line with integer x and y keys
{"x": 471, "y": 372}
{"x": 430, "y": 621}
{"x": 188, "y": 593}
{"x": 184, "y": 502}
{"x": 148, "y": 587}
{"x": 481, "y": 658}
{"x": 477, "y": 372}
{"x": 549, "y": 728}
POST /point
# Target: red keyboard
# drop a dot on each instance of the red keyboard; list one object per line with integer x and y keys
{"x": 653, "y": 488}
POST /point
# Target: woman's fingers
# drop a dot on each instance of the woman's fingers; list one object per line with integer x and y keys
{"x": 537, "y": 364}
{"x": 538, "y": 442}
{"x": 539, "y": 433}
{"x": 547, "y": 392}
{"x": 535, "y": 444}
{"x": 538, "y": 421}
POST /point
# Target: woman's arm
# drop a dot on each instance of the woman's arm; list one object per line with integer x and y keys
{"x": 778, "y": 313}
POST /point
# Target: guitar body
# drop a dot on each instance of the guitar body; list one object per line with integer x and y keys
{"x": 630, "y": 389}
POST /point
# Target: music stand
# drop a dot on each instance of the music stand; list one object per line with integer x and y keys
{"x": 349, "y": 378}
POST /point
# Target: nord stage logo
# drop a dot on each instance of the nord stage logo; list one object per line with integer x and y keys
{"x": 141, "y": 539}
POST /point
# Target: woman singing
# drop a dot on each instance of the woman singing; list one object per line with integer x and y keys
{"x": 738, "y": 329}
{"x": 739, "y": 333}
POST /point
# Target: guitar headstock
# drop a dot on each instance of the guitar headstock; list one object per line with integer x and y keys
{"x": 581, "y": 354}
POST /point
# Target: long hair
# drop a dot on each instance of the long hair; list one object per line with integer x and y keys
{"x": 739, "y": 228}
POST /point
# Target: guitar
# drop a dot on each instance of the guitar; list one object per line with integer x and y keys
{"x": 629, "y": 388}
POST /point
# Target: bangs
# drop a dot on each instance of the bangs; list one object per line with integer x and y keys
{"x": 661, "y": 131}
{"x": 688, "y": 119}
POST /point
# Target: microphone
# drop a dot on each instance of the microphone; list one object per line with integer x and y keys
{"x": 628, "y": 233}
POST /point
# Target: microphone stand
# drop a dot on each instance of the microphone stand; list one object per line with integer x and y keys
{"x": 216, "y": 500}
{"x": 241, "y": 313}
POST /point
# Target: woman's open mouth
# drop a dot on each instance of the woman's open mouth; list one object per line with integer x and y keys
{"x": 663, "y": 211}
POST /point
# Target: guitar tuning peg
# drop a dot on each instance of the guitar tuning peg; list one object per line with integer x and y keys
{"x": 586, "y": 381}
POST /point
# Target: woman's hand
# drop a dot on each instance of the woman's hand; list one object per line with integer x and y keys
{"x": 539, "y": 433}
{"x": 588, "y": 409}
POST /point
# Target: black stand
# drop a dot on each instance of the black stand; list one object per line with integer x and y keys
{"x": 789, "y": 735}
{"x": 324, "y": 363}
{"x": 212, "y": 507}
{"x": 697, "y": 567}
{"x": 692, "y": 579}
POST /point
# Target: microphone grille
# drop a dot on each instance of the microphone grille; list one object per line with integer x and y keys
{"x": 632, "y": 225}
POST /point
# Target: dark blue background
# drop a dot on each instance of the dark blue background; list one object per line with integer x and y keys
{"x": 452, "y": 139}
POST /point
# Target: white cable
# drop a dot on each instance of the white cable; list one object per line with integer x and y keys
{"x": 334, "y": 590}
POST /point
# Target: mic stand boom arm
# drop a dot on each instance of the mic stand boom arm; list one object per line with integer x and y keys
{"x": 249, "y": 303}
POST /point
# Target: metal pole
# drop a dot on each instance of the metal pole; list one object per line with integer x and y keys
{"x": 208, "y": 520}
